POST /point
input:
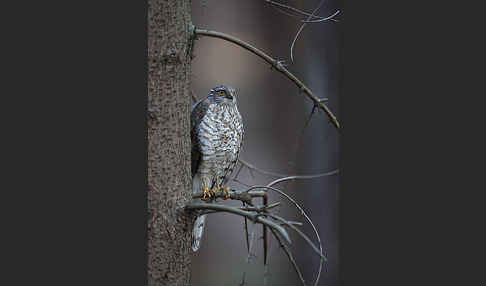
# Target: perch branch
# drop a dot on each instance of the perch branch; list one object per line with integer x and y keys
{"x": 275, "y": 64}
{"x": 251, "y": 216}
{"x": 244, "y": 196}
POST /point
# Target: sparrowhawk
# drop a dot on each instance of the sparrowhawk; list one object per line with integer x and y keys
{"x": 217, "y": 137}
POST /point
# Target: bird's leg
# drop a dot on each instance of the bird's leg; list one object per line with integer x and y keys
{"x": 213, "y": 192}
{"x": 218, "y": 187}
{"x": 207, "y": 192}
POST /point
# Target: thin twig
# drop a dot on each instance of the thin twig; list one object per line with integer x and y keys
{"x": 275, "y": 64}
{"x": 259, "y": 209}
{"x": 303, "y": 177}
{"x": 251, "y": 166}
{"x": 251, "y": 216}
{"x": 286, "y": 13}
{"x": 238, "y": 172}
{"x": 309, "y": 118}
{"x": 306, "y": 238}
{"x": 294, "y": 9}
{"x": 289, "y": 255}
{"x": 259, "y": 170}
{"x": 323, "y": 19}
{"x": 294, "y": 223}
{"x": 305, "y": 216}
{"x": 265, "y": 236}
{"x": 300, "y": 30}
{"x": 243, "y": 282}
{"x": 241, "y": 183}
{"x": 246, "y": 230}
{"x": 252, "y": 239}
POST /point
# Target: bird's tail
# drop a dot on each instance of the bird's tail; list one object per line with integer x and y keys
{"x": 200, "y": 222}
{"x": 197, "y": 232}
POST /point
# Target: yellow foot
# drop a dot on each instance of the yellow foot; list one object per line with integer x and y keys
{"x": 218, "y": 188}
{"x": 227, "y": 193}
{"x": 207, "y": 193}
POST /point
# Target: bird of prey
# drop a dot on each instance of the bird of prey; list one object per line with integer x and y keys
{"x": 217, "y": 137}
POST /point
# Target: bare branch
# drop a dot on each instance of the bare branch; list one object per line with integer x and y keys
{"x": 300, "y": 30}
{"x": 251, "y": 216}
{"x": 289, "y": 255}
{"x": 252, "y": 239}
{"x": 246, "y": 231}
{"x": 250, "y": 166}
{"x": 265, "y": 236}
{"x": 331, "y": 17}
{"x": 309, "y": 119}
{"x": 286, "y": 13}
{"x": 298, "y": 11}
{"x": 294, "y": 223}
{"x": 244, "y": 196}
{"x": 259, "y": 209}
{"x": 306, "y": 217}
{"x": 241, "y": 183}
{"x": 238, "y": 172}
{"x": 276, "y": 64}
{"x": 253, "y": 167}
{"x": 303, "y": 177}
{"x": 306, "y": 238}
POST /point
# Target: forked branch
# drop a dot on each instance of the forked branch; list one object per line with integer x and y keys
{"x": 253, "y": 216}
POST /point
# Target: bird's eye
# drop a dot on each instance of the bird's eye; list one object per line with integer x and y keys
{"x": 221, "y": 92}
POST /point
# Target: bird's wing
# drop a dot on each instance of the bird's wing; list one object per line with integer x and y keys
{"x": 198, "y": 110}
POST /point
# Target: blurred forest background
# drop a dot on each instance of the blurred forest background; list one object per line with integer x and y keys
{"x": 274, "y": 114}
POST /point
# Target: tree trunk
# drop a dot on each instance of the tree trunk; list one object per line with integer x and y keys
{"x": 169, "y": 143}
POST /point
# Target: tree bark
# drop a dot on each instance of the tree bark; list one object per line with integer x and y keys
{"x": 169, "y": 143}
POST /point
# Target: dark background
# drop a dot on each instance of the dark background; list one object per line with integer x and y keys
{"x": 274, "y": 114}
{"x": 73, "y": 184}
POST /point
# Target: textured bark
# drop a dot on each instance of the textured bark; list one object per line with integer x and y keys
{"x": 169, "y": 143}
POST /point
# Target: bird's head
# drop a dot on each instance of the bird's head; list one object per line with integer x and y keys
{"x": 223, "y": 94}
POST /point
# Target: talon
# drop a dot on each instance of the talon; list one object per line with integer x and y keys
{"x": 227, "y": 195}
{"x": 218, "y": 186}
{"x": 207, "y": 193}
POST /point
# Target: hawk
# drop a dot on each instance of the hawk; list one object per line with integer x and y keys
{"x": 217, "y": 137}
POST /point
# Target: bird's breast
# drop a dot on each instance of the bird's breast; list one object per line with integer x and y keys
{"x": 220, "y": 130}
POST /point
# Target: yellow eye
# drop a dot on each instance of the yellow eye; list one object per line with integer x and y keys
{"x": 221, "y": 92}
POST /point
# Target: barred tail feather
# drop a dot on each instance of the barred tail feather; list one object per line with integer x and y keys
{"x": 200, "y": 222}
{"x": 197, "y": 232}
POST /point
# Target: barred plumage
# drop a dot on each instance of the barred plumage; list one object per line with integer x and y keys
{"x": 217, "y": 137}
